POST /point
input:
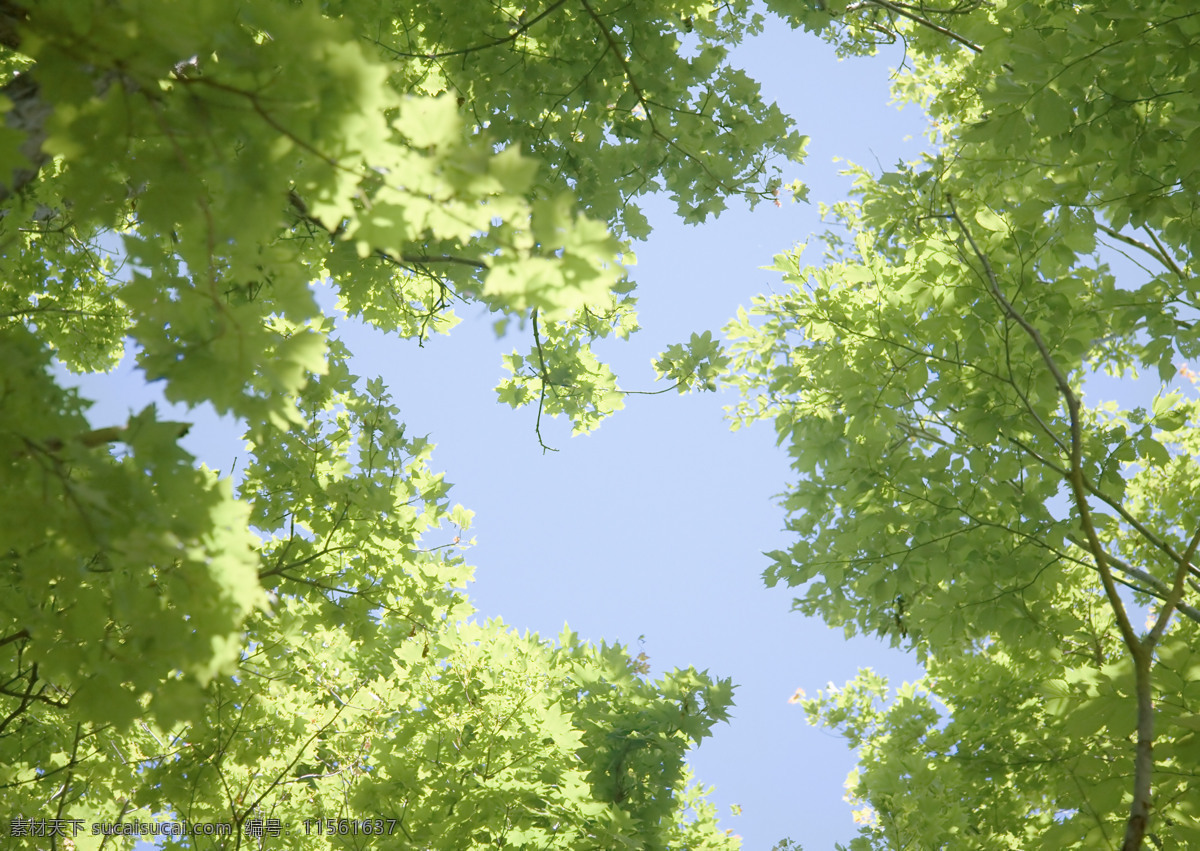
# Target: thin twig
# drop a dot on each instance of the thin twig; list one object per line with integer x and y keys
{"x": 26, "y": 699}
{"x": 624, "y": 62}
{"x": 1139, "y": 808}
{"x": 1162, "y": 252}
{"x": 521, "y": 29}
{"x": 16, "y": 636}
{"x": 537, "y": 339}
{"x": 1157, "y": 588}
{"x": 1175, "y": 598}
{"x": 925, "y": 22}
{"x": 1157, "y": 253}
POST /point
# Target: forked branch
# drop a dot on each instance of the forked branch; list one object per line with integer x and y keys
{"x": 1141, "y": 650}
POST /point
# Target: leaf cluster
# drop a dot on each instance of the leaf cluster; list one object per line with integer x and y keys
{"x": 178, "y": 179}
{"x": 955, "y": 488}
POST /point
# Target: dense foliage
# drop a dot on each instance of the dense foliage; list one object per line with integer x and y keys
{"x": 963, "y": 482}
{"x": 289, "y": 648}
{"x": 293, "y": 651}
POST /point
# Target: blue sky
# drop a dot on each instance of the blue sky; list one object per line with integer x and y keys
{"x": 651, "y": 531}
{"x": 655, "y": 525}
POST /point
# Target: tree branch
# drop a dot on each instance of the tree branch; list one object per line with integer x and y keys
{"x": 1175, "y": 598}
{"x": 28, "y": 115}
{"x": 26, "y": 699}
{"x": 301, "y": 208}
{"x": 12, "y": 17}
{"x": 903, "y": 12}
{"x": 16, "y": 636}
{"x": 1139, "y": 808}
{"x": 537, "y": 340}
{"x": 1151, "y": 585}
{"x": 1157, "y": 253}
{"x": 521, "y": 29}
{"x": 1075, "y": 470}
{"x": 621, "y": 58}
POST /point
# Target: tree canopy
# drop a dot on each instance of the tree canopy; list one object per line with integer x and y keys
{"x": 962, "y": 484}
{"x": 285, "y": 649}
{"x": 291, "y": 654}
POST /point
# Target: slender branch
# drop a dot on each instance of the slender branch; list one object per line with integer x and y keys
{"x": 1151, "y": 585}
{"x": 12, "y": 16}
{"x": 287, "y": 769}
{"x": 1075, "y": 470}
{"x": 848, "y": 328}
{"x": 418, "y": 259}
{"x": 1157, "y": 253}
{"x": 28, "y": 115}
{"x": 301, "y": 208}
{"x": 520, "y": 30}
{"x": 537, "y": 339}
{"x": 1175, "y": 598}
{"x": 1154, "y": 540}
{"x": 674, "y": 386}
{"x": 912, "y": 16}
{"x": 66, "y": 786}
{"x": 26, "y": 699}
{"x": 269, "y": 119}
{"x": 35, "y": 309}
{"x": 16, "y": 636}
{"x": 1162, "y": 252}
{"x": 628, "y": 72}
{"x": 281, "y": 570}
{"x": 1139, "y": 808}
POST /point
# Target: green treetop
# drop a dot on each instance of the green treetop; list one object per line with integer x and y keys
{"x": 179, "y": 175}
{"x": 954, "y": 487}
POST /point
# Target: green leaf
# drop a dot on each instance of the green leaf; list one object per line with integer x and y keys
{"x": 915, "y": 378}
{"x": 988, "y": 220}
